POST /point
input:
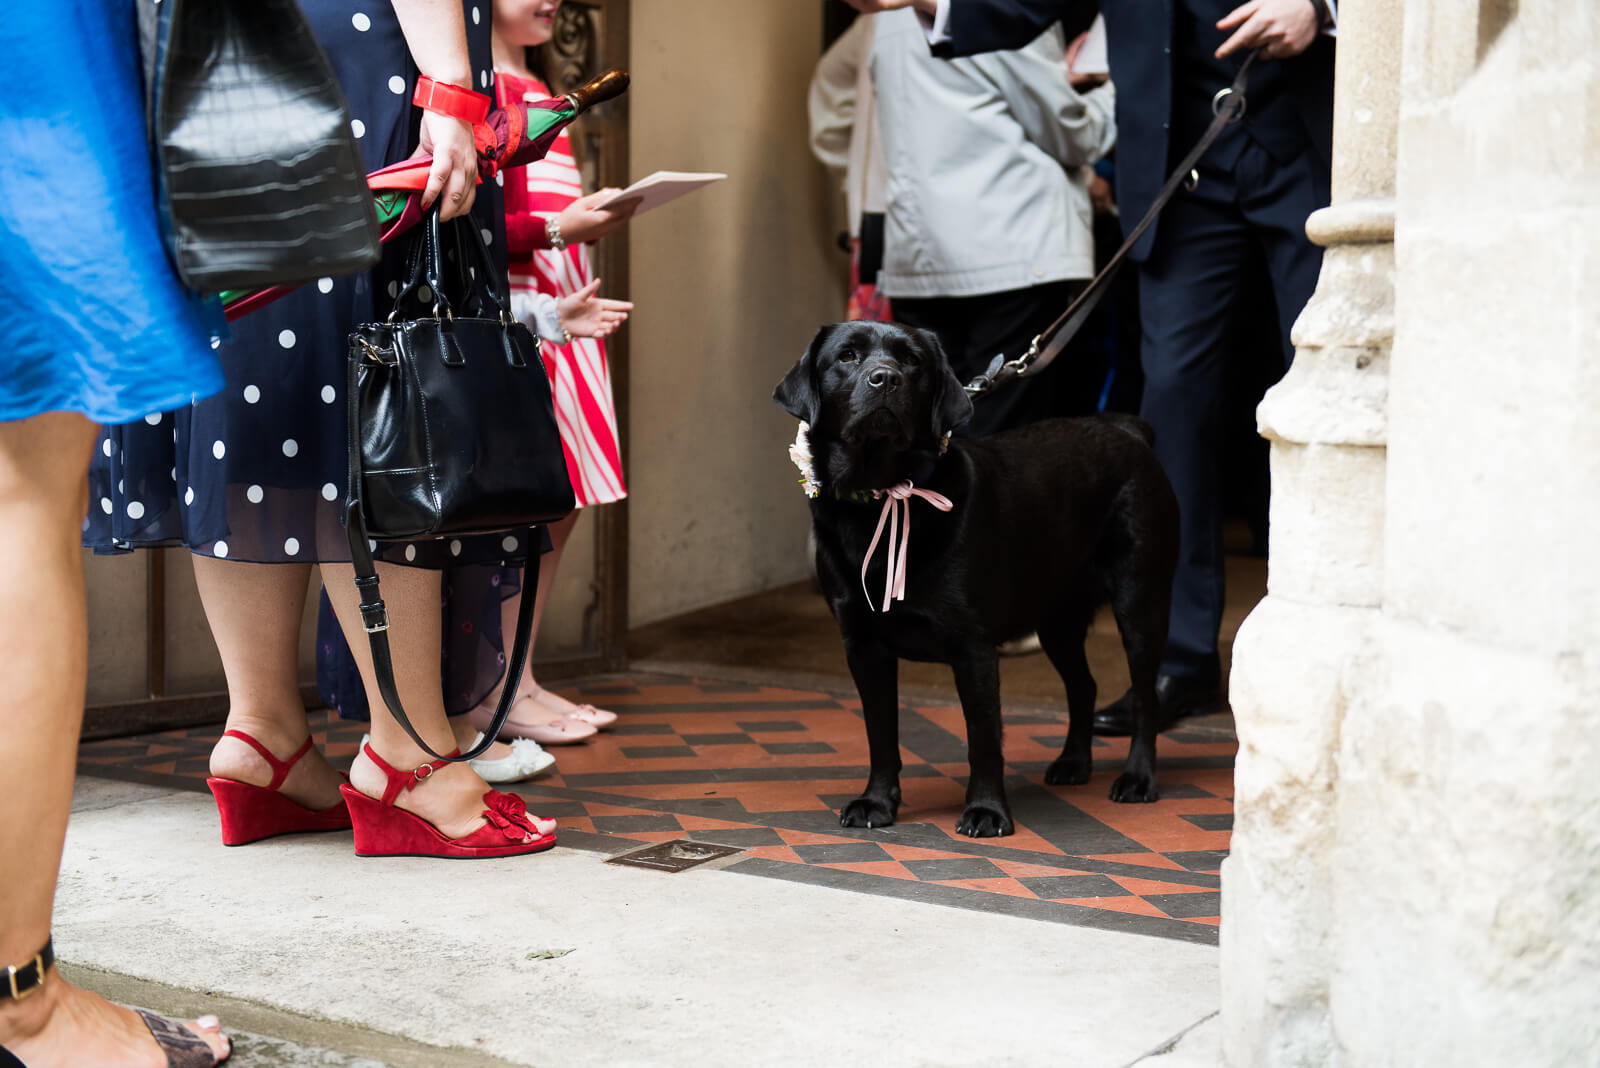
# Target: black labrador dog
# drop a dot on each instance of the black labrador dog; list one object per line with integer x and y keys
{"x": 1046, "y": 522}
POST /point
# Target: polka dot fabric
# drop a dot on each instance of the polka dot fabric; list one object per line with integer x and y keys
{"x": 257, "y": 473}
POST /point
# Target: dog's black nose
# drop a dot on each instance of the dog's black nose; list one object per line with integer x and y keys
{"x": 885, "y": 378}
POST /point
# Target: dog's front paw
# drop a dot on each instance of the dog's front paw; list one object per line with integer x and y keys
{"x": 867, "y": 811}
{"x": 985, "y": 821}
{"x": 1135, "y": 788}
{"x": 1069, "y": 771}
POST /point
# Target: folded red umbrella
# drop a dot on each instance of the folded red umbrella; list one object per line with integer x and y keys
{"x": 507, "y": 137}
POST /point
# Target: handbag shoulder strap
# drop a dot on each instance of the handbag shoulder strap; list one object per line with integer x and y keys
{"x": 375, "y": 620}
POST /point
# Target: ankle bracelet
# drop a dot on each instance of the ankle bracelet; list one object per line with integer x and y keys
{"x": 26, "y": 978}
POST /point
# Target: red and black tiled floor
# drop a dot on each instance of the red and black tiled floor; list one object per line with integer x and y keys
{"x": 766, "y": 769}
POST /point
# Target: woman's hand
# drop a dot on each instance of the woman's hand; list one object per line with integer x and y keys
{"x": 582, "y": 221}
{"x": 585, "y": 315}
{"x": 454, "y": 176}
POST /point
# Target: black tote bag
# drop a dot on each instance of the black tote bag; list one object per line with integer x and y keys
{"x": 452, "y": 431}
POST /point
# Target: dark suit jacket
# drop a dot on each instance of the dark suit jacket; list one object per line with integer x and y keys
{"x": 1143, "y": 53}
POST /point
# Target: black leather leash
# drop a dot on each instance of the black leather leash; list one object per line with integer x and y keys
{"x": 1227, "y": 107}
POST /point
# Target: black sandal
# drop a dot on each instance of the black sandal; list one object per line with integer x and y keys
{"x": 184, "y": 1048}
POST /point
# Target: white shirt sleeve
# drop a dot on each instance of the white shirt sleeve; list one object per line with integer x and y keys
{"x": 937, "y": 28}
{"x": 537, "y": 311}
{"x": 831, "y": 101}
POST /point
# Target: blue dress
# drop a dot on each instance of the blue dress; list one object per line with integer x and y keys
{"x": 94, "y": 320}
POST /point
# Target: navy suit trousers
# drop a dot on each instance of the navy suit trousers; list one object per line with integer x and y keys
{"x": 1190, "y": 290}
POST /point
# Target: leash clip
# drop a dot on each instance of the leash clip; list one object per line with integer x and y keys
{"x": 1021, "y": 364}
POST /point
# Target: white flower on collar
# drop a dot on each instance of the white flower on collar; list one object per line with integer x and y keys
{"x": 800, "y": 453}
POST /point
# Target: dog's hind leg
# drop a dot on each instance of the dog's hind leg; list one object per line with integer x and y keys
{"x": 1062, "y": 640}
{"x": 987, "y": 814}
{"x": 1141, "y": 614}
{"x": 876, "y": 673}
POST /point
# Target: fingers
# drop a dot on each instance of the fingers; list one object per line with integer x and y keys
{"x": 453, "y": 178}
{"x": 1236, "y": 16}
{"x": 588, "y": 291}
{"x": 460, "y": 189}
{"x": 608, "y": 304}
{"x": 1245, "y": 36}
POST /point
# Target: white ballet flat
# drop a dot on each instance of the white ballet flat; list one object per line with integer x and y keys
{"x": 526, "y": 759}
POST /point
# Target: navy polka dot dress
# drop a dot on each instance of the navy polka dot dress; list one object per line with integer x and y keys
{"x": 257, "y": 472}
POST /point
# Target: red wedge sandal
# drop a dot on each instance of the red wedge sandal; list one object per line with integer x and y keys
{"x": 382, "y": 830}
{"x": 251, "y": 813}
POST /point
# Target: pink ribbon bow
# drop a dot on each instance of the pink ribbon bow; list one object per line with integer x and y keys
{"x": 897, "y": 499}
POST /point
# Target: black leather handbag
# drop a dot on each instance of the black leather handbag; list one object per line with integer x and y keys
{"x": 259, "y": 181}
{"x": 452, "y": 432}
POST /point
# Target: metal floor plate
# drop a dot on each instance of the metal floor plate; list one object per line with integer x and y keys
{"x": 674, "y": 856}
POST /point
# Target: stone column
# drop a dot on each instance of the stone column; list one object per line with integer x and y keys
{"x": 1466, "y": 871}
{"x": 1327, "y": 423}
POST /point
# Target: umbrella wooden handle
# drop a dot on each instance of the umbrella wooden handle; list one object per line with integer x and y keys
{"x": 599, "y": 89}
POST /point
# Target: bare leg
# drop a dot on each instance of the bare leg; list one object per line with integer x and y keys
{"x": 552, "y": 703}
{"x": 44, "y": 464}
{"x": 254, "y": 611}
{"x": 452, "y": 799}
{"x": 559, "y": 533}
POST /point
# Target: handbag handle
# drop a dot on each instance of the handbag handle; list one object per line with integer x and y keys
{"x": 487, "y": 276}
{"x": 375, "y": 618}
{"x": 426, "y": 266}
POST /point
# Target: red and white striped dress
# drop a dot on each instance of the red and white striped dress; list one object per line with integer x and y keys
{"x": 579, "y": 376}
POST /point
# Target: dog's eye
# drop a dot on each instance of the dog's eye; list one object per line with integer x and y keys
{"x": 911, "y": 359}
{"x": 847, "y": 355}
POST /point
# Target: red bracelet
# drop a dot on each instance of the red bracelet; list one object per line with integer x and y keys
{"x": 442, "y": 98}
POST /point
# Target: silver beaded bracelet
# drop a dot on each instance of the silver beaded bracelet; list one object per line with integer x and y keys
{"x": 552, "y": 230}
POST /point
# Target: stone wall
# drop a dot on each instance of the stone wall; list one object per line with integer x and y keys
{"x": 730, "y": 285}
{"x": 1416, "y": 867}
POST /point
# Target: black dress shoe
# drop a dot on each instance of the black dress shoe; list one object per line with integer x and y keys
{"x": 1178, "y": 698}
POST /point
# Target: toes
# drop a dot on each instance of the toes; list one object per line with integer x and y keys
{"x": 209, "y": 1030}
{"x": 1067, "y": 773}
{"x": 984, "y": 823}
{"x": 866, "y": 812}
{"x": 1134, "y": 789}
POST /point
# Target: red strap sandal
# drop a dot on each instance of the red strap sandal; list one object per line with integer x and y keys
{"x": 251, "y": 813}
{"x": 383, "y": 830}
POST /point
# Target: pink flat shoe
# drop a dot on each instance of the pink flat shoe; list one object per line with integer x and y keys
{"x": 598, "y": 718}
{"x": 558, "y": 730}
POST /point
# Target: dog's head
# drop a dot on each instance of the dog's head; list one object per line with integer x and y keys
{"x": 879, "y": 397}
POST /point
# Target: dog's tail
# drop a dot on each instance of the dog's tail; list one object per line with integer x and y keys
{"x": 1131, "y": 424}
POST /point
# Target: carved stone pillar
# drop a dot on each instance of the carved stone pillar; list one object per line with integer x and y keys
{"x": 1327, "y": 423}
{"x": 1466, "y": 871}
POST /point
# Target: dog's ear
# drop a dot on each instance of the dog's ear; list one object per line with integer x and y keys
{"x": 797, "y": 394}
{"x": 951, "y": 405}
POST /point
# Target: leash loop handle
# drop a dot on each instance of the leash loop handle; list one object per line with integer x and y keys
{"x": 1227, "y": 107}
